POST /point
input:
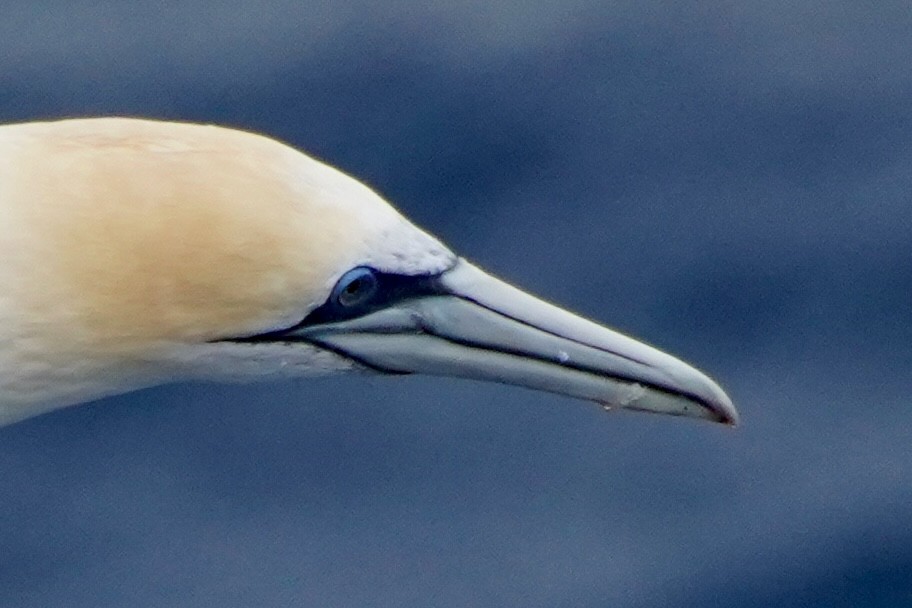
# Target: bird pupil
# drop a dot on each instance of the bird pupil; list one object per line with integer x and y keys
{"x": 357, "y": 290}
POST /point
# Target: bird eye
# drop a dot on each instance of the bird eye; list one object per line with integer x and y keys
{"x": 355, "y": 288}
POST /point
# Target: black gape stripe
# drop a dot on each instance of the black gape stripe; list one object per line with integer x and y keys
{"x": 386, "y": 290}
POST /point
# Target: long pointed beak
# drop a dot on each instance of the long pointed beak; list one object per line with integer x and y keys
{"x": 480, "y": 327}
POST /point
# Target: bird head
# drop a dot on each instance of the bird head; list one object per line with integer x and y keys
{"x": 140, "y": 252}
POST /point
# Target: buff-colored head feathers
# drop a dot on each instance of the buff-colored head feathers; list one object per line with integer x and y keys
{"x": 202, "y": 229}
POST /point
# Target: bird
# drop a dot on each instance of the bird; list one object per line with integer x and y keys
{"x": 136, "y": 252}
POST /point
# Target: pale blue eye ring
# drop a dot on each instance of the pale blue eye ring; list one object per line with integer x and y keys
{"x": 356, "y": 288}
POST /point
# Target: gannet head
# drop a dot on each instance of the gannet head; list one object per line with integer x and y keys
{"x": 140, "y": 252}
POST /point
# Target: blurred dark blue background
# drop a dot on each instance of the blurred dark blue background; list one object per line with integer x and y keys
{"x": 730, "y": 181}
